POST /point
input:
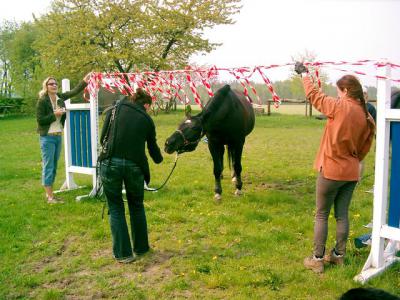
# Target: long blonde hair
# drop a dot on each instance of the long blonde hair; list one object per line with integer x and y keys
{"x": 43, "y": 91}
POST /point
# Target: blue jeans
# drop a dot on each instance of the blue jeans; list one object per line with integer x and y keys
{"x": 50, "y": 147}
{"x": 114, "y": 172}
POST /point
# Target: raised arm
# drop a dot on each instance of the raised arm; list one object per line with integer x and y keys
{"x": 76, "y": 90}
{"x": 323, "y": 103}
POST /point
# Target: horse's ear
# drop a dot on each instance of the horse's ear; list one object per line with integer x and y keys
{"x": 222, "y": 92}
{"x": 225, "y": 89}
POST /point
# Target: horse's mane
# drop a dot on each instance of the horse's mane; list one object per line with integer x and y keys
{"x": 215, "y": 102}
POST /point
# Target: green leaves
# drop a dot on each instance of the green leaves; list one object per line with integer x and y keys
{"x": 123, "y": 35}
{"x": 79, "y": 36}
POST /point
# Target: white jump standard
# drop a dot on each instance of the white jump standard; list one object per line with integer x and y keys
{"x": 80, "y": 142}
{"x": 385, "y": 221}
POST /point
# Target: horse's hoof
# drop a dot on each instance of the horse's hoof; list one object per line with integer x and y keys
{"x": 234, "y": 179}
{"x": 218, "y": 197}
{"x": 238, "y": 193}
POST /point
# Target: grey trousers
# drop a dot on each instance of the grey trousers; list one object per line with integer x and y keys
{"x": 338, "y": 194}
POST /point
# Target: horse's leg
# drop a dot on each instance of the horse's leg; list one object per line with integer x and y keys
{"x": 217, "y": 153}
{"x": 237, "y": 167}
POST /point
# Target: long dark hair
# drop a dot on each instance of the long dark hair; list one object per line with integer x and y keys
{"x": 354, "y": 90}
{"x": 141, "y": 97}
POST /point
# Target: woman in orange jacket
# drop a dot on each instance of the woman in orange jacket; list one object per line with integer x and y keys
{"x": 347, "y": 138}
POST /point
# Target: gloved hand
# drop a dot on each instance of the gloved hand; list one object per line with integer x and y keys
{"x": 300, "y": 68}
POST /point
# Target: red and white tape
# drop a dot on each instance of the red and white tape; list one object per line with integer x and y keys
{"x": 171, "y": 83}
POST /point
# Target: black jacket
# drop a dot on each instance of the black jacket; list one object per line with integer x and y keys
{"x": 372, "y": 111}
{"x": 395, "y": 99}
{"x": 44, "y": 110}
{"x": 134, "y": 127}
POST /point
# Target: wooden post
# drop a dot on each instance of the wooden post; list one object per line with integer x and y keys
{"x": 306, "y": 112}
{"x": 268, "y": 107}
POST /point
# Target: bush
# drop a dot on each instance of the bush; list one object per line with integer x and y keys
{"x": 12, "y": 105}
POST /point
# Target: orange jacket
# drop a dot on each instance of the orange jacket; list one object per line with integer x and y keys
{"x": 347, "y": 136}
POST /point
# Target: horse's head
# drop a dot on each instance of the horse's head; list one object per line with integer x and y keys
{"x": 186, "y": 137}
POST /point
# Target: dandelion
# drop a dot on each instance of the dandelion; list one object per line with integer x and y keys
{"x": 214, "y": 258}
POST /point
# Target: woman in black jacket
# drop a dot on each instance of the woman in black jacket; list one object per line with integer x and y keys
{"x": 131, "y": 129}
{"x": 50, "y": 117}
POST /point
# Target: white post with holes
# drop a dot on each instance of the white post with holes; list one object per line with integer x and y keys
{"x": 80, "y": 142}
{"x": 381, "y": 257}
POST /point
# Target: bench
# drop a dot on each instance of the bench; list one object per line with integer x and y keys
{"x": 6, "y": 109}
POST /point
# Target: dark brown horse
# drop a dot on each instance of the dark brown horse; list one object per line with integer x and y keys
{"x": 226, "y": 120}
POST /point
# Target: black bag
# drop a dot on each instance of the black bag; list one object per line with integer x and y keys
{"x": 107, "y": 143}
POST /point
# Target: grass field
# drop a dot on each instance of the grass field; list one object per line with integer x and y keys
{"x": 251, "y": 247}
{"x": 283, "y": 109}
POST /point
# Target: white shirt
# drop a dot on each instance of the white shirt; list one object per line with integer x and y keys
{"x": 56, "y": 125}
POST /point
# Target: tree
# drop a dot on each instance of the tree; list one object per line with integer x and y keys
{"x": 25, "y": 61}
{"x": 7, "y": 31}
{"x": 123, "y": 35}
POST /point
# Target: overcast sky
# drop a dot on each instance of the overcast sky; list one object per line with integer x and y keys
{"x": 272, "y": 31}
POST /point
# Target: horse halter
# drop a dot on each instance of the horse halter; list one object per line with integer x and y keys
{"x": 186, "y": 142}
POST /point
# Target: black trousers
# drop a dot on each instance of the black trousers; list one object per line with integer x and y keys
{"x": 114, "y": 172}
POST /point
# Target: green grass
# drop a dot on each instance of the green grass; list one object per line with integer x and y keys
{"x": 251, "y": 247}
{"x": 284, "y": 109}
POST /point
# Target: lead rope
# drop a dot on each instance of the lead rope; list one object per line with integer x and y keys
{"x": 146, "y": 188}
{"x": 149, "y": 189}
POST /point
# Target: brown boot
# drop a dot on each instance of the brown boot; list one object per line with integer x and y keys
{"x": 333, "y": 258}
{"x": 314, "y": 264}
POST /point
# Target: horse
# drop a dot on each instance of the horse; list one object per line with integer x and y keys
{"x": 226, "y": 119}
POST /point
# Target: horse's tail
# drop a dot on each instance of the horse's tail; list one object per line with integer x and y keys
{"x": 230, "y": 156}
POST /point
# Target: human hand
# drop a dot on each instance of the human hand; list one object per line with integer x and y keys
{"x": 59, "y": 112}
{"x": 300, "y": 68}
{"x": 87, "y": 77}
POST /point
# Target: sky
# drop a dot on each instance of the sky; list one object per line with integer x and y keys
{"x": 273, "y": 31}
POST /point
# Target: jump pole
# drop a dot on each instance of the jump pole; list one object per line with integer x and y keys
{"x": 386, "y": 218}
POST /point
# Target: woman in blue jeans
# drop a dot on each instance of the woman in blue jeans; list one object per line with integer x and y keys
{"x": 127, "y": 163}
{"x": 50, "y": 117}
